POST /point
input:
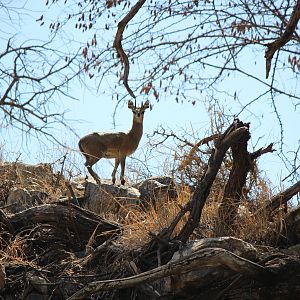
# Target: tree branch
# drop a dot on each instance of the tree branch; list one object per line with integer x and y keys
{"x": 118, "y": 42}
{"x": 280, "y": 198}
{"x": 285, "y": 37}
{"x": 235, "y": 132}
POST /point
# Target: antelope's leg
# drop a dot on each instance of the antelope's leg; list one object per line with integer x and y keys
{"x": 94, "y": 175}
{"x": 122, "y": 170}
{"x": 113, "y": 174}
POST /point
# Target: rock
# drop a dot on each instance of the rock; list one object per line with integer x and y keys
{"x": 108, "y": 198}
{"x": 154, "y": 188}
{"x": 39, "y": 283}
{"x": 20, "y": 199}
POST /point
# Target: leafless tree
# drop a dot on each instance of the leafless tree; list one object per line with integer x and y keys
{"x": 34, "y": 76}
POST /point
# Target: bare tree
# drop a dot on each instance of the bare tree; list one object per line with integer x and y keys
{"x": 34, "y": 74}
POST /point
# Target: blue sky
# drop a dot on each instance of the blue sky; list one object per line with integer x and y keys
{"x": 93, "y": 111}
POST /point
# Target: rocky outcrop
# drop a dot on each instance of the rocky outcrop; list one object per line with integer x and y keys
{"x": 105, "y": 198}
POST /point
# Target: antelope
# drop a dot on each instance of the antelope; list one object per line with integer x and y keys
{"x": 117, "y": 145}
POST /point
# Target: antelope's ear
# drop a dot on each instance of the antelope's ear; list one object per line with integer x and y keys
{"x": 130, "y": 104}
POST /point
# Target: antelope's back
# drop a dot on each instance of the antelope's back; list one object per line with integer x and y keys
{"x": 103, "y": 144}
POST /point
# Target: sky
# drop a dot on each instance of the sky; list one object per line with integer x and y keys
{"x": 94, "y": 111}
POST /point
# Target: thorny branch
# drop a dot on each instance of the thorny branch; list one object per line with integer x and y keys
{"x": 162, "y": 132}
{"x": 118, "y": 43}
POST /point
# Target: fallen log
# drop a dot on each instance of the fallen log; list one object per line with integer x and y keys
{"x": 67, "y": 218}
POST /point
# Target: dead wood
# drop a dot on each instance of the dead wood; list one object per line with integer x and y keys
{"x": 281, "y": 198}
{"x": 233, "y": 193}
{"x": 148, "y": 259}
{"x": 209, "y": 257}
{"x": 289, "y": 229}
{"x": 68, "y": 218}
{"x": 241, "y": 165}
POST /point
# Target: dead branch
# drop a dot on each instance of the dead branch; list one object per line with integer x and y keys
{"x": 235, "y": 132}
{"x": 118, "y": 42}
{"x": 280, "y": 199}
{"x": 261, "y": 151}
{"x": 233, "y": 193}
{"x": 284, "y": 38}
{"x": 209, "y": 257}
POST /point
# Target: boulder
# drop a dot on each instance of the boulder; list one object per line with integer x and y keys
{"x": 108, "y": 198}
{"x": 154, "y": 189}
{"x": 20, "y": 199}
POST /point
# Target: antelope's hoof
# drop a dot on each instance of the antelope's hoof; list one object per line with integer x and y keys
{"x": 113, "y": 181}
{"x": 122, "y": 181}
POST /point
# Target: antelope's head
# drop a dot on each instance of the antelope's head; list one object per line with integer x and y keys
{"x": 138, "y": 112}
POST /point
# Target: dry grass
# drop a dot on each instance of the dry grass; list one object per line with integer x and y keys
{"x": 13, "y": 251}
{"x": 249, "y": 225}
{"x": 140, "y": 223}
